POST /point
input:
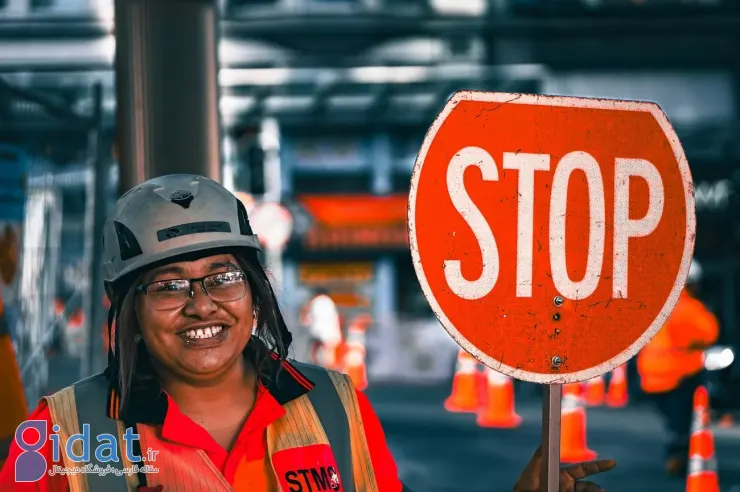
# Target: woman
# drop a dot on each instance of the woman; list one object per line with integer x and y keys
{"x": 198, "y": 370}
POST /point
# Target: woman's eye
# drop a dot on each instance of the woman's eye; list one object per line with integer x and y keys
{"x": 169, "y": 287}
{"x": 223, "y": 279}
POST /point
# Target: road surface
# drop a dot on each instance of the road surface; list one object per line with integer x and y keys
{"x": 438, "y": 451}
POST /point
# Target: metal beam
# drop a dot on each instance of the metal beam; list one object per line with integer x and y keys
{"x": 284, "y": 24}
{"x": 50, "y": 105}
{"x": 322, "y": 94}
{"x": 263, "y": 40}
{"x": 35, "y": 27}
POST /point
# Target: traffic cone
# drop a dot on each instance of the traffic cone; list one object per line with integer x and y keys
{"x": 617, "y": 395}
{"x": 464, "y": 397}
{"x": 572, "y": 389}
{"x": 702, "y": 473}
{"x": 573, "y": 446}
{"x": 354, "y": 357}
{"x": 498, "y": 410}
{"x": 595, "y": 391}
{"x": 726, "y": 421}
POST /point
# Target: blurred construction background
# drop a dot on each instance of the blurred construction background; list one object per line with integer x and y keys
{"x": 324, "y": 104}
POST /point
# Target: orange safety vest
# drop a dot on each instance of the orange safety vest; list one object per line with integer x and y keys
{"x": 318, "y": 435}
{"x": 13, "y": 409}
{"x": 677, "y": 351}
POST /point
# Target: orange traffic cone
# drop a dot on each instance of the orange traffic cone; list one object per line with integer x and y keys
{"x": 617, "y": 395}
{"x": 498, "y": 410}
{"x": 354, "y": 358}
{"x": 573, "y": 446}
{"x": 464, "y": 396}
{"x": 726, "y": 421}
{"x": 573, "y": 389}
{"x": 595, "y": 391}
{"x": 702, "y": 474}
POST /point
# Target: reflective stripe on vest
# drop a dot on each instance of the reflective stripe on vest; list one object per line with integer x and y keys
{"x": 83, "y": 402}
{"x": 328, "y": 414}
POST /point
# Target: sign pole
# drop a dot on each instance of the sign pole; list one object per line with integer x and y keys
{"x": 551, "y": 403}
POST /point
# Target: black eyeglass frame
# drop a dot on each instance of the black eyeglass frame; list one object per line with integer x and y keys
{"x": 143, "y": 288}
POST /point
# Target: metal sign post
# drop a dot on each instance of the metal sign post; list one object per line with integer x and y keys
{"x": 551, "y": 400}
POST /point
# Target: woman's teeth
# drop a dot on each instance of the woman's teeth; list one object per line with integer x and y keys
{"x": 200, "y": 333}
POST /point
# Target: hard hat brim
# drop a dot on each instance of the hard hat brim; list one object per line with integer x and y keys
{"x": 251, "y": 242}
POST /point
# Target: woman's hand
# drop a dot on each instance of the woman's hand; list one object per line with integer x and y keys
{"x": 529, "y": 481}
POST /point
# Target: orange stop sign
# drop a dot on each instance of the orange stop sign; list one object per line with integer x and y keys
{"x": 551, "y": 235}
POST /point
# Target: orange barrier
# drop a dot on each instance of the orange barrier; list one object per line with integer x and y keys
{"x": 595, "y": 391}
{"x": 464, "y": 396}
{"x": 499, "y": 408}
{"x": 702, "y": 473}
{"x": 617, "y": 396}
{"x": 573, "y": 441}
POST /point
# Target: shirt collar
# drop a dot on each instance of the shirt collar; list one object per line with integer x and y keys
{"x": 265, "y": 411}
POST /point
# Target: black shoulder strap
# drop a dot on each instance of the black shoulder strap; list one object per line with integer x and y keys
{"x": 330, "y": 410}
{"x": 91, "y": 395}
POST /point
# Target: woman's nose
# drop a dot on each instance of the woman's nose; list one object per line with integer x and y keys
{"x": 200, "y": 303}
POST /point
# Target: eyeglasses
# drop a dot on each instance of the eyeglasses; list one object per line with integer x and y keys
{"x": 165, "y": 295}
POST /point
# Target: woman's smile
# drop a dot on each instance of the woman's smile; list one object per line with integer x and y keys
{"x": 208, "y": 337}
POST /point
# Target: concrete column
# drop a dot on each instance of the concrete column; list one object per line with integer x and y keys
{"x": 384, "y": 339}
{"x": 167, "y": 89}
{"x": 381, "y": 157}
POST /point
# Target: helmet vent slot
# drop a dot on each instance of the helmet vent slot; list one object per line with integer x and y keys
{"x": 127, "y": 243}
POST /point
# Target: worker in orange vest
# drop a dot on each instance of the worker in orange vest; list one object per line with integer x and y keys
{"x": 671, "y": 365}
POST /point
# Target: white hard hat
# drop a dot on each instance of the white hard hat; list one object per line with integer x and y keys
{"x": 695, "y": 272}
{"x": 170, "y": 216}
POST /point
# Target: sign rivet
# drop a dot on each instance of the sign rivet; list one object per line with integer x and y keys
{"x": 558, "y": 301}
{"x": 557, "y": 361}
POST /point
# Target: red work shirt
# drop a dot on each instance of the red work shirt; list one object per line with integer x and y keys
{"x": 251, "y": 444}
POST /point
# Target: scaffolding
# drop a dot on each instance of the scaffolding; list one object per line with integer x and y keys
{"x": 58, "y": 222}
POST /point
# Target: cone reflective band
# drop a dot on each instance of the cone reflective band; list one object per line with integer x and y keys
{"x": 551, "y": 235}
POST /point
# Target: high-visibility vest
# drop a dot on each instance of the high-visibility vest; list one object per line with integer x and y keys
{"x": 328, "y": 414}
{"x": 669, "y": 357}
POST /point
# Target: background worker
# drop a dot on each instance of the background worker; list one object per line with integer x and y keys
{"x": 325, "y": 329}
{"x": 671, "y": 365}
